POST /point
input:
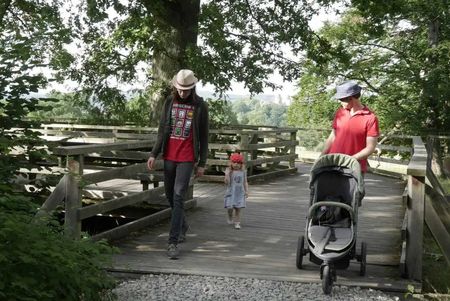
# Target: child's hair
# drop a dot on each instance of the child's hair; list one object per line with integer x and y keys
{"x": 237, "y": 158}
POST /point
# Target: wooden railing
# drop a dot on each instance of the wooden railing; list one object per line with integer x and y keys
{"x": 70, "y": 190}
{"x": 268, "y": 151}
{"x": 412, "y": 247}
{"x": 265, "y": 150}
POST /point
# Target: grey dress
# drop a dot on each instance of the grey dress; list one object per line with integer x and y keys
{"x": 235, "y": 193}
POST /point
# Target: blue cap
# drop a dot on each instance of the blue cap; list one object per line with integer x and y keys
{"x": 347, "y": 89}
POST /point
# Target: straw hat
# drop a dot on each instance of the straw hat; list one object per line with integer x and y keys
{"x": 184, "y": 80}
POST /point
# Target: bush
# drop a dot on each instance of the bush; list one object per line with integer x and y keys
{"x": 37, "y": 262}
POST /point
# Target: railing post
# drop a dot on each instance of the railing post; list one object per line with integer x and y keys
{"x": 416, "y": 210}
{"x": 292, "y": 148}
{"x": 72, "y": 223}
{"x": 243, "y": 146}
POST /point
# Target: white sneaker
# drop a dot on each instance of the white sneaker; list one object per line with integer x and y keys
{"x": 237, "y": 226}
{"x": 229, "y": 221}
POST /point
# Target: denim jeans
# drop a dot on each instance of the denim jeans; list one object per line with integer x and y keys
{"x": 176, "y": 184}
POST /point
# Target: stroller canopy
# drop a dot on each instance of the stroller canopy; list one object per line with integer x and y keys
{"x": 338, "y": 162}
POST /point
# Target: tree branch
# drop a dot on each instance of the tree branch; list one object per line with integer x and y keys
{"x": 4, "y": 7}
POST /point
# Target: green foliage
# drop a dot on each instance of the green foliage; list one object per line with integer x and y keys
{"x": 77, "y": 108}
{"x": 390, "y": 50}
{"x": 255, "y": 112}
{"x": 241, "y": 41}
{"x": 32, "y": 36}
{"x": 37, "y": 262}
{"x": 312, "y": 107}
{"x": 220, "y": 113}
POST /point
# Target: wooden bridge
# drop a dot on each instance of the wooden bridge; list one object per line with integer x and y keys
{"x": 266, "y": 245}
{"x": 391, "y": 218}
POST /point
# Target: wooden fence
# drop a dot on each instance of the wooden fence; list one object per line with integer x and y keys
{"x": 268, "y": 152}
{"x": 70, "y": 190}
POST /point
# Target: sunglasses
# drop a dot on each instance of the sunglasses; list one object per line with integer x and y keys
{"x": 346, "y": 99}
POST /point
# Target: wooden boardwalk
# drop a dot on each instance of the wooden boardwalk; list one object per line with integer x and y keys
{"x": 266, "y": 245}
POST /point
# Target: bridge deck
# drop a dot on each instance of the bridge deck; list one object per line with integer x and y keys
{"x": 266, "y": 245}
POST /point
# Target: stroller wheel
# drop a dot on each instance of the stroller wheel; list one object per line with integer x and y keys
{"x": 327, "y": 280}
{"x": 362, "y": 267}
{"x": 300, "y": 247}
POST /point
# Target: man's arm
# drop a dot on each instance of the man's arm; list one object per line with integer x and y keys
{"x": 328, "y": 143}
{"x": 371, "y": 144}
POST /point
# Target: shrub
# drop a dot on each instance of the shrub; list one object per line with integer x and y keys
{"x": 37, "y": 262}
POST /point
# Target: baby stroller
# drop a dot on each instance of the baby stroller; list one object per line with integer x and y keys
{"x": 337, "y": 188}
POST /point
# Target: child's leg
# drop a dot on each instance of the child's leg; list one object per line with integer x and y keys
{"x": 237, "y": 215}
{"x": 230, "y": 215}
{"x": 237, "y": 218}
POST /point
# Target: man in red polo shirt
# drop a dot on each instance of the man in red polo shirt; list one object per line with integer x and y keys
{"x": 355, "y": 128}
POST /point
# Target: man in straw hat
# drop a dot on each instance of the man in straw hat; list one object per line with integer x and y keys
{"x": 355, "y": 128}
{"x": 183, "y": 142}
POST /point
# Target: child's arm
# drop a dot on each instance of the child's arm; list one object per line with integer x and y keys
{"x": 227, "y": 176}
{"x": 246, "y": 185}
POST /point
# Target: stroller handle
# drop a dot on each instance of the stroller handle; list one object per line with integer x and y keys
{"x": 326, "y": 203}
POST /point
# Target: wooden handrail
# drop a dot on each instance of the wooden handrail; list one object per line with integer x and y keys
{"x": 85, "y": 149}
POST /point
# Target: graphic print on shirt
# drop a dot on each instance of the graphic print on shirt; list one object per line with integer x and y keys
{"x": 182, "y": 115}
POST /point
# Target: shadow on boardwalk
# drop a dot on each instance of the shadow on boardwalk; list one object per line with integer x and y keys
{"x": 266, "y": 245}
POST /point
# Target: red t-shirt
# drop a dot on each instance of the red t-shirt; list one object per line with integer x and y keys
{"x": 351, "y": 132}
{"x": 180, "y": 147}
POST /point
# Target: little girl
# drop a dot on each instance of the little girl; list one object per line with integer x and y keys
{"x": 237, "y": 189}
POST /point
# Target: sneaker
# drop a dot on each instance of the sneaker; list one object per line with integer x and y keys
{"x": 229, "y": 221}
{"x": 172, "y": 251}
{"x": 237, "y": 226}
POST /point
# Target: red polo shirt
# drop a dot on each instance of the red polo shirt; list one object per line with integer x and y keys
{"x": 351, "y": 132}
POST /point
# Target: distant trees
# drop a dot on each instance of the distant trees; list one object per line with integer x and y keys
{"x": 255, "y": 112}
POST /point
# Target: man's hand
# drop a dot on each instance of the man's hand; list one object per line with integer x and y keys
{"x": 151, "y": 163}
{"x": 200, "y": 172}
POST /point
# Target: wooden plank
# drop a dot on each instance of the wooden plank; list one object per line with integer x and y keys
{"x": 274, "y": 144}
{"x": 72, "y": 224}
{"x": 126, "y": 172}
{"x": 404, "y": 228}
{"x": 98, "y": 127}
{"x": 260, "y": 161}
{"x": 437, "y": 228}
{"x": 136, "y": 225}
{"x": 85, "y": 149}
{"x": 55, "y": 199}
{"x": 106, "y": 206}
{"x": 125, "y": 155}
{"x": 403, "y": 266}
{"x": 416, "y": 191}
{"x": 417, "y": 164}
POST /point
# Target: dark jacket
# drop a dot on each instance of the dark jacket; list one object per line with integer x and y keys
{"x": 200, "y": 130}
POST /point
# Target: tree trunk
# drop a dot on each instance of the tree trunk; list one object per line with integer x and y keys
{"x": 179, "y": 28}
